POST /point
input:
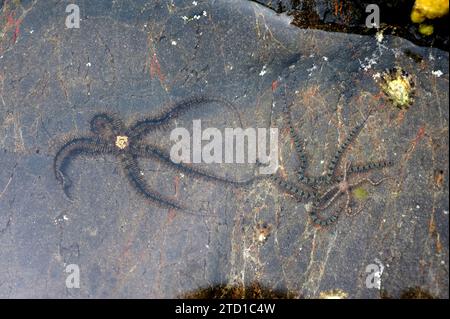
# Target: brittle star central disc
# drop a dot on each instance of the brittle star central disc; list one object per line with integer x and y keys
{"x": 121, "y": 141}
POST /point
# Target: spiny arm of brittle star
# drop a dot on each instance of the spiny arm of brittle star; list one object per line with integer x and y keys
{"x": 330, "y": 201}
{"x": 133, "y": 174}
{"x": 329, "y": 193}
{"x": 286, "y": 186}
{"x": 314, "y": 213}
{"x": 334, "y": 163}
{"x": 299, "y": 147}
{"x": 150, "y": 151}
{"x": 364, "y": 168}
{"x": 298, "y": 144}
{"x": 321, "y": 221}
{"x": 348, "y": 207}
{"x": 106, "y": 125}
{"x": 148, "y": 125}
{"x": 368, "y": 180}
{"x": 73, "y": 148}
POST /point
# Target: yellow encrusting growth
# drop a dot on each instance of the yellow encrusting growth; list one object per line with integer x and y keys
{"x": 426, "y": 29}
{"x": 360, "y": 193}
{"x": 428, "y": 9}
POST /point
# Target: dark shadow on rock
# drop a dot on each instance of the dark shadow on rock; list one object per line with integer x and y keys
{"x": 410, "y": 293}
{"x": 253, "y": 291}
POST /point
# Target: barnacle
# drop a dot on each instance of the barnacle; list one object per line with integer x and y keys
{"x": 398, "y": 85}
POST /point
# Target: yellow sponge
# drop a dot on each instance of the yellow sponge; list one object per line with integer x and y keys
{"x": 428, "y": 9}
{"x": 426, "y": 29}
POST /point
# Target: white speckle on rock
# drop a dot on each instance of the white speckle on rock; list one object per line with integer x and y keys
{"x": 311, "y": 69}
{"x": 263, "y": 71}
{"x": 445, "y": 212}
{"x": 437, "y": 73}
{"x": 173, "y": 42}
{"x": 88, "y": 64}
{"x": 194, "y": 3}
{"x": 368, "y": 63}
{"x": 376, "y": 76}
{"x": 418, "y": 207}
{"x": 379, "y": 36}
{"x": 31, "y": 31}
{"x": 325, "y": 58}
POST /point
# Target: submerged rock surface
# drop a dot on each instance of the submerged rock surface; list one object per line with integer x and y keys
{"x": 136, "y": 57}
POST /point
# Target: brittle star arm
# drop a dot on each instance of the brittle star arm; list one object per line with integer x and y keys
{"x": 368, "y": 180}
{"x": 73, "y": 148}
{"x": 148, "y": 125}
{"x": 150, "y": 151}
{"x": 133, "y": 174}
{"x": 106, "y": 125}
{"x": 363, "y": 168}
{"x": 360, "y": 182}
{"x": 300, "y": 194}
{"x": 331, "y": 200}
{"x": 298, "y": 145}
{"x": 318, "y": 220}
{"x": 299, "y": 148}
{"x": 338, "y": 186}
{"x": 331, "y": 170}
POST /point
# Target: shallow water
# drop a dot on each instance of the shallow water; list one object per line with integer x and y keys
{"x": 135, "y": 59}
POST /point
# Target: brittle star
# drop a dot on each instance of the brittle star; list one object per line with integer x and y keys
{"x": 344, "y": 187}
{"x": 337, "y": 183}
{"x": 109, "y": 136}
